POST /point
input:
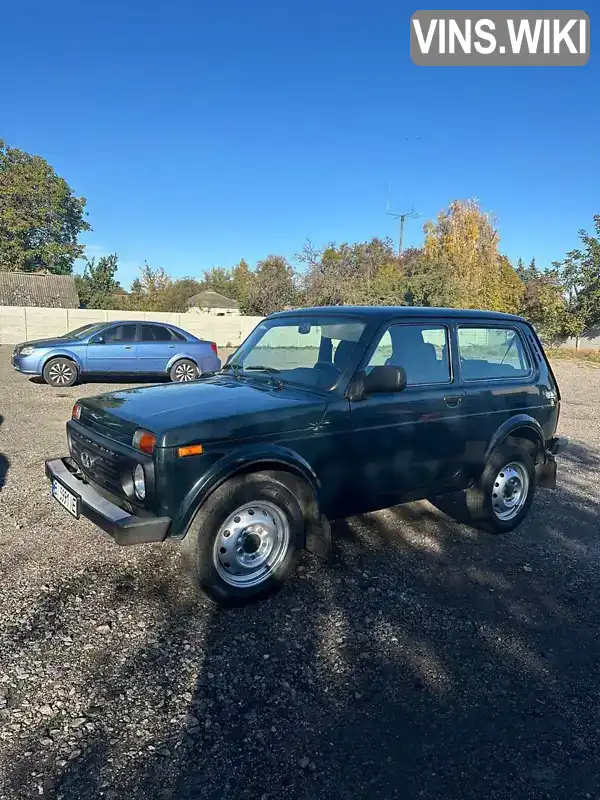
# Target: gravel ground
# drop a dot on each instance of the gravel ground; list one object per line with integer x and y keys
{"x": 429, "y": 660}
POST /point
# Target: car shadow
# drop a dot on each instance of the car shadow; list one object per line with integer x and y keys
{"x": 429, "y": 660}
{"x": 4, "y": 462}
{"x": 112, "y": 379}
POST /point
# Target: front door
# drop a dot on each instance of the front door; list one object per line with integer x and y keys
{"x": 410, "y": 443}
{"x": 156, "y": 347}
{"x": 113, "y": 350}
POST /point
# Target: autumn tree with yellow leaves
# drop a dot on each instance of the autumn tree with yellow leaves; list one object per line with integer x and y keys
{"x": 461, "y": 255}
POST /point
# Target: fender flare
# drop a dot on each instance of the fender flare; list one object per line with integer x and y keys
{"x": 58, "y": 353}
{"x": 510, "y": 426}
{"x": 267, "y": 456}
{"x": 178, "y": 357}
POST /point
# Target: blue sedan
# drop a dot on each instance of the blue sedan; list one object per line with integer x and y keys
{"x": 117, "y": 348}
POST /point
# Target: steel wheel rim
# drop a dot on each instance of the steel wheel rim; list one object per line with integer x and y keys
{"x": 251, "y": 544}
{"x": 61, "y": 374}
{"x": 510, "y": 491}
{"x": 185, "y": 372}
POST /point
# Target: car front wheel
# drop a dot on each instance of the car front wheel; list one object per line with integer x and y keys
{"x": 244, "y": 541}
{"x": 502, "y": 497}
{"x": 60, "y": 372}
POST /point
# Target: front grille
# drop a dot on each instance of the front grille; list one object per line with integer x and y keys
{"x": 98, "y": 463}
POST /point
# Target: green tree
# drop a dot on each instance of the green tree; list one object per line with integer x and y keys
{"x": 97, "y": 286}
{"x": 242, "y": 283}
{"x": 544, "y": 306}
{"x": 150, "y": 291}
{"x": 40, "y": 217}
{"x": 367, "y": 272}
{"x": 273, "y": 286}
{"x": 219, "y": 279}
{"x": 580, "y": 278}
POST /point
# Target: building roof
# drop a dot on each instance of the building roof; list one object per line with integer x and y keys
{"x": 38, "y": 289}
{"x": 385, "y": 312}
{"x": 210, "y": 299}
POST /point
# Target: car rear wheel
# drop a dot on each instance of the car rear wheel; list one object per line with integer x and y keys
{"x": 60, "y": 372}
{"x": 502, "y": 497}
{"x": 244, "y": 541}
{"x": 183, "y": 371}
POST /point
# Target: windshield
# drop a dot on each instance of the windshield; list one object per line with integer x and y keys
{"x": 307, "y": 352}
{"x": 85, "y": 330}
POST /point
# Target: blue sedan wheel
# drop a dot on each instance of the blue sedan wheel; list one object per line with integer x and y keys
{"x": 60, "y": 372}
{"x": 184, "y": 371}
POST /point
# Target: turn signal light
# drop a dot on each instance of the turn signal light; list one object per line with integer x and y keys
{"x": 144, "y": 441}
{"x": 190, "y": 450}
{"x": 76, "y": 413}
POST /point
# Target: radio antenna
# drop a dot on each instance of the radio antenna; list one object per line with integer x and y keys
{"x": 402, "y": 216}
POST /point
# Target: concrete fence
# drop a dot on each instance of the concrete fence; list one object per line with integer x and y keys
{"x": 18, "y": 324}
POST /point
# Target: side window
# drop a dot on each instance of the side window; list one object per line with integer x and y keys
{"x": 421, "y": 349}
{"x": 487, "y": 353}
{"x": 120, "y": 333}
{"x": 179, "y": 337}
{"x": 156, "y": 333}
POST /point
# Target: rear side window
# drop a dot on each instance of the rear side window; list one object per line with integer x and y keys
{"x": 488, "y": 353}
{"x": 120, "y": 333}
{"x": 422, "y": 350}
{"x": 179, "y": 336}
{"x": 156, "y": 333}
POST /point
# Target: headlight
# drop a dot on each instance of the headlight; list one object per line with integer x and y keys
{"x": 139, "y": 482}
{"x": 27, "y": 351}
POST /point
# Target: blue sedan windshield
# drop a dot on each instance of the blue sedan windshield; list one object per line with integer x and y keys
{"x": 85, "y": 330}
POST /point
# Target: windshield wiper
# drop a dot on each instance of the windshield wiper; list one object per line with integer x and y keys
{"x": 261, "y": 368}
{"x": 269, "y": 370}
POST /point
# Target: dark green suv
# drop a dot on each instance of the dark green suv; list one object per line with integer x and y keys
{"x": 320, "y": 413}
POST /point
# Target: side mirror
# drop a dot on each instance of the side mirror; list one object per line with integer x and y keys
{"x": 97, "y": 339}
{"x": 380, "y": 380}
{"x": 228, "y": 359}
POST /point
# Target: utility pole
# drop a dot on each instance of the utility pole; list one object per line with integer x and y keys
{"x": 402, "y": 216}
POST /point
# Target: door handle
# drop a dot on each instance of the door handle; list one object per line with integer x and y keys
{"x": 127, "y": 347}
{"x": 171, "y": 347}
{"x": 453, "y": 401}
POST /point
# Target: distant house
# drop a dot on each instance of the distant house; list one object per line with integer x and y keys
{"x": 210, "y": 302}
{"x": 40, "y": 289}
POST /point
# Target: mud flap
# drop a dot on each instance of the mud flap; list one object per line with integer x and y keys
{"x": 318, "y": 539}
{"x": 546, "y": 473}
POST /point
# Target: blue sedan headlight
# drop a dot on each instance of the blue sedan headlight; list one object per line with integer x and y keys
{"x": 27, "y": 351}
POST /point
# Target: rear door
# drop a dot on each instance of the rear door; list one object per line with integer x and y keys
{"x": 500, "y": 378}
{"x": 113, "y": 350}
{"x": 156, "y": 346}
{"x": 410, "y": 443}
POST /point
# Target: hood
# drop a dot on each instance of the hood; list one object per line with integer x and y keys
{"x": 212, "y": 409}
{"x": 55, "y": 342}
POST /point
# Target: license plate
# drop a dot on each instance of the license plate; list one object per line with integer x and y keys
{"x": 66, "y": 498}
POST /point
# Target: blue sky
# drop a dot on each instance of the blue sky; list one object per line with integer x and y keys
{"x": 205, "y": 132}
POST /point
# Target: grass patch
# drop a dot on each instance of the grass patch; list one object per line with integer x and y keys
{"x": 570, "y": 354}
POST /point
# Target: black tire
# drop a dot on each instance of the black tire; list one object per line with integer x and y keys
{"x": 481, "y": 498}
{"x": 199, "y": 546}
{"x": 60, "y": 372}
{"x": 184, "y": 370}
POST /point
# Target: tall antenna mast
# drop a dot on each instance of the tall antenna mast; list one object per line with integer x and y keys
{"x": 402, "y": 216}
